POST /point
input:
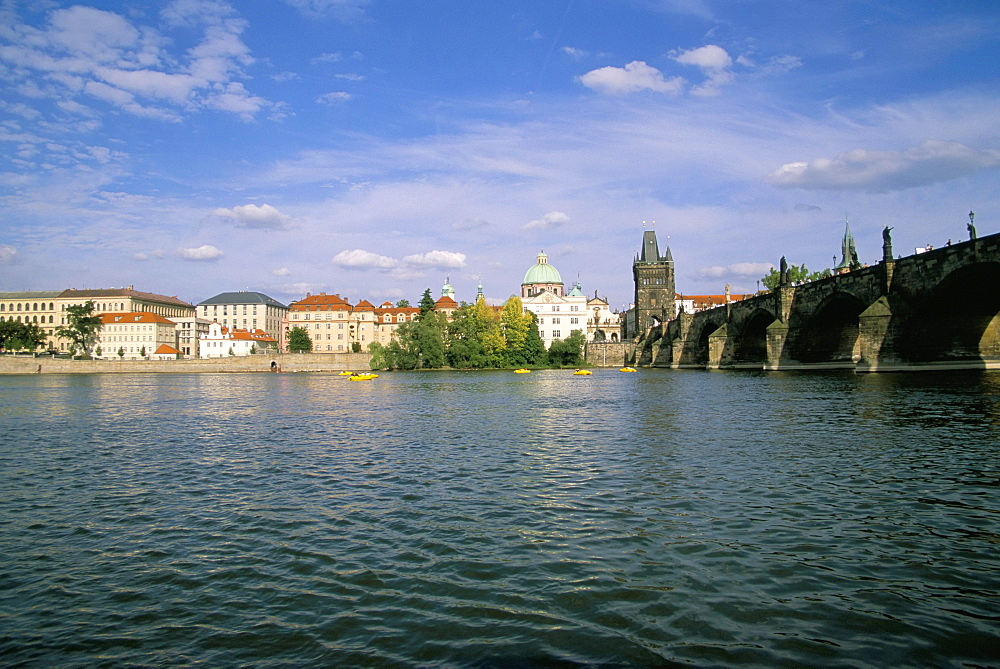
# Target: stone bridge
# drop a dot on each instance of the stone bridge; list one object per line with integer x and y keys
{"x": 935, "y": 310}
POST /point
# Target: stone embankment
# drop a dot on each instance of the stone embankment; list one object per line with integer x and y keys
{"x": 285, "y": 362}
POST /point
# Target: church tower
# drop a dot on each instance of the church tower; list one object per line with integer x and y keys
{"x": 655, "y": 294}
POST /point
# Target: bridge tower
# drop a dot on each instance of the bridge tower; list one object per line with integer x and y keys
{"x": 655, "y": 294}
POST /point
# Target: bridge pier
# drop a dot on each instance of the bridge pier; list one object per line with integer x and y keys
{"x": 777, "y": 338}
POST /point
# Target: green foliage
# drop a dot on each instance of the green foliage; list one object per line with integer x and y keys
{"x": 298, "y": 340}
{"x": 82, "y": 327}
{"x": 16, "y": 336}
{"x": 796, "y": 273}
{"x": 379, "y": 356}
{"x": 142, "y": 352}
{"x": 520, "y": 330}
{"x": 426, "y": 304}
{"x": 567, "y": 352}
{"x": 98, "y": 352}
{"x": 405, "y": 303}
{"x": 355, "y": 347}
{"x": 253, "y": 349}
{"x": 121, "y": 352}
{"x": 475, "y": 338}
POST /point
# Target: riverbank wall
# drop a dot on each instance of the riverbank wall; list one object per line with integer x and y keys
{"x": 285, "y": 362}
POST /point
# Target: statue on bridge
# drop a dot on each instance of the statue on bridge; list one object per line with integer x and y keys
{"x": 783, "y": 272}
{"x": 886, "y": 244}
{"x": 971, "y": 226}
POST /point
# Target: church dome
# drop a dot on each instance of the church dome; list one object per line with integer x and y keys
{"x": 542, "y": 272}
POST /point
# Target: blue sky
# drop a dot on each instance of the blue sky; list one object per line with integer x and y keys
{"x": 373, "y": 148}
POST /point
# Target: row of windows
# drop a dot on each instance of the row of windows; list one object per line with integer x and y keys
{"x": 225, "y": 310}
{"x": 557, "y": 321}
{"x": 339, "y": 336}
{"x": 28, "y": 306}
{"x": 27, "y": 319}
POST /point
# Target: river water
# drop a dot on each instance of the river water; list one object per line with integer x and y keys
{"x": 662, "y": 518}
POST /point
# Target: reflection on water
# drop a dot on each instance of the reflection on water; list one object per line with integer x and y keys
{"x": 489, "y": 518}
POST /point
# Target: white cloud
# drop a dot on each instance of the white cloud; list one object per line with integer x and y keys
{"x": 281, "y": 271}
{"x": 709, "y": 57}
{"x": 105, "y": 55}
{"x": 714, "y": 62}
{"x": 7, "y": 253}
{"x": 253, "y": 217}
{"x": 360, "y": 259}
{"x": 635, "y": 76}
{"x": 298, "y": 289}
{"x": 575, "y": 54}
{"x": 334, "y": 97}
{"x": 753, "y": 270}
{"x": 438, "y": 259}
{"x": 549, "y": 220}
{"x": 781, "y": 64}
{"x": 930, "y": 162}
{"x": 204, "y": 252}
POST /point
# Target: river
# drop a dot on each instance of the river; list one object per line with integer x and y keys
{"x": 662, "y": 518}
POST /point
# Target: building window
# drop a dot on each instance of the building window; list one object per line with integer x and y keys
{"x": 555, "y": 321}
{"x": 574, "y": 321}
{"x": 556, "y": 334}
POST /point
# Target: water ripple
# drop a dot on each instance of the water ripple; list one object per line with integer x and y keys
{"x": 657, "y": 519}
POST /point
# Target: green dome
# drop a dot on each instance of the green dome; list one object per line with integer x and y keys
{"x": 542, "y": 272}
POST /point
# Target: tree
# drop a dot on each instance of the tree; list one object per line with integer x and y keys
{"x": 520, "y": 330}
{"x": 426, "y": 304}
{"x": 379, "y": 356}
{"x": 534, "y": 346}
{"x": 355, "y": 347}
{"x": 82, "y": 327}
{"x": 253, "y": 349}
{"x": 796, "y": 273}
{"x": 15, "y": 336}
{"x": 121, "y": 353}
{"x": 298, "y": 340}
{"x": 98, "y": 352}
{"x": 402, "y": 304}
{"x": 475, "y": 338}
{"x": 142, "y": 352}
{"x": 567, "y": 352}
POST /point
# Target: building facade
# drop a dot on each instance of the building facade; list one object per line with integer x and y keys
{"x": 223, "y": 342}
{"x": 333, "y": 324}
{"x": 134, "y": 335}
{"x": 558, "y": 312}
{"x": 40, "y": 307}
{"x": 245, "y": 310}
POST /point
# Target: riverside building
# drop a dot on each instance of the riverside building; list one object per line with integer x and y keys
{"x": 558, "y": 313}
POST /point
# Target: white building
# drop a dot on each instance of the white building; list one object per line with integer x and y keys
{"x": 245, "y": 310}
{"x": 559, "y": 313}
{"x": 222, "y": 342}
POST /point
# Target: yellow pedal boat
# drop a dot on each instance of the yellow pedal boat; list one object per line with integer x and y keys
{"x": 582, "y": 372}
{"x": 362, "y": 377}
{"x": 522, "y": 371}
{"x": 628, "y": 369}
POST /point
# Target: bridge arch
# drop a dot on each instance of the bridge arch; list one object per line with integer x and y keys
{"x": 959, "y": 319}
{"x": 831, "y": 334}
{"x": 698, "y": 352}
{"x": 751, "y": 342}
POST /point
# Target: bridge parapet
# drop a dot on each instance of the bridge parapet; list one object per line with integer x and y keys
{"x": 939, "y": 309}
